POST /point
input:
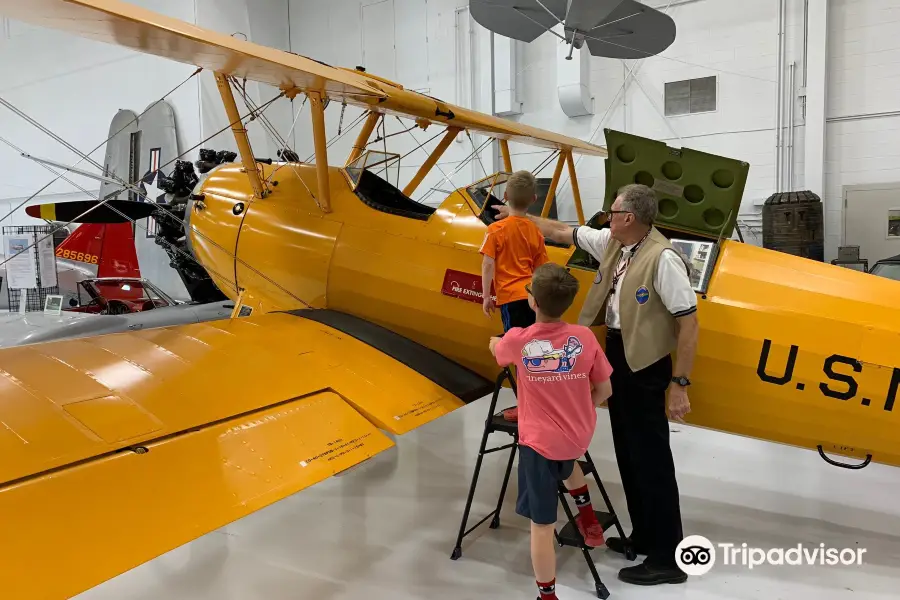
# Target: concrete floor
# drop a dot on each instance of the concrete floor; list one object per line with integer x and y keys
{"x": 385, "y": 530}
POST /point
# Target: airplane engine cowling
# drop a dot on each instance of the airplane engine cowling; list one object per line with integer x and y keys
{"x": 213, "y": 225}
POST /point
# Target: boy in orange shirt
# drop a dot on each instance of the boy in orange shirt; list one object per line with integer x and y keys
{"x": 513, "y": 248}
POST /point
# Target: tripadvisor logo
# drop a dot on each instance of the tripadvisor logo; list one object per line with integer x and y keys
{"x": 696, "y": 555}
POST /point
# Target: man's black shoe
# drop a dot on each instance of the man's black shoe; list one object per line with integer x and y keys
{"x": 617, "y": 545}
{"x": 645, "y": 574}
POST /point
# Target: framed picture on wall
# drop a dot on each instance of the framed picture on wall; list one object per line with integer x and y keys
{"x": 893, "y": 223}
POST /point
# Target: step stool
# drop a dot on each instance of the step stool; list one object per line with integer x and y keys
{"x": 569, "y": 534}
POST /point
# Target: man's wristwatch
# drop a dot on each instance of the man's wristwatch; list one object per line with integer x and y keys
{"x": 682, "y": 381}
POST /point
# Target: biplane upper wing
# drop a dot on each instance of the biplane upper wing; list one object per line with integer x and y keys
{"x": 134, "y": 27}
{"x": 121, "y": 447}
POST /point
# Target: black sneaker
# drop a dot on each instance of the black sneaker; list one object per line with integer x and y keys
{"x": 645, "y": 574}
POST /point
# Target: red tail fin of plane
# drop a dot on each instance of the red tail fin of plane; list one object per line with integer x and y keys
{"x": 110, "y": 246}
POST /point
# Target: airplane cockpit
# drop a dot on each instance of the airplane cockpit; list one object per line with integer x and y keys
{"x": 488, "y": 192}
{"x": 375, "y": 177}
{"x": 687, "y": 222}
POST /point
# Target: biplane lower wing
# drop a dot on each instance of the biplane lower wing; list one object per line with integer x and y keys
{"x": 121, "y": 447}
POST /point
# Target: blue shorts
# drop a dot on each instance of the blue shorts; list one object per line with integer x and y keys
{"x": 539, "y": 480}
{"x": 517, "y": 314}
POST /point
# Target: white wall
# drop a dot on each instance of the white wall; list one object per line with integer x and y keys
{"x": 262, "y": 22}
{"x": 433, "y": 46}
{"x": 74, "y": 87}
{"x": 431, "y": 54}
{"x": 733, "y": 39}
{"x": 862, "y": 143}
{"x": 76, "y": 92}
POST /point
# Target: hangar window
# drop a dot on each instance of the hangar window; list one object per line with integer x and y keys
{"x": 690, "y": 96}
{"x": 375, "y": 178}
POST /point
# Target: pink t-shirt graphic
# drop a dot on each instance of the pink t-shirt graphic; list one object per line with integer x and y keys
{"x": 555, "y": 366}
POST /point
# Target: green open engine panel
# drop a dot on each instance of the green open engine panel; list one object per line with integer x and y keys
{"x": 699, "y": 197}
{"x": 699, "y": 193}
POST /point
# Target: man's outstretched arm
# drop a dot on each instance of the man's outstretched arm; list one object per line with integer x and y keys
{"x": 553, "y": 230}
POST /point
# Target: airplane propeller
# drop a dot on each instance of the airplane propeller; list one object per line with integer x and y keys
{"x": 70, "y": 211}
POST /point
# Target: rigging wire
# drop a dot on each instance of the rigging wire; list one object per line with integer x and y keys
{"x": 101, "y": 144}
{"x": 544, "y": 163}
{"x": 478, "y": 153}
{"x": 436, "y": 164}
{"x": 463, "y": 163}
{"x": 297, "y": 118}
{"x": 135, "y": 223}
{"x": 127, "y": 186}
{"x": 334, "y": 140}
{"x": 278, "y": 168}
{"x": 277, "y": 139}
{"x": 431, "y": 139}
{"x": 380, "y": 138}
{"x": 251, "y": 105}
{"x": 143, "y": 194}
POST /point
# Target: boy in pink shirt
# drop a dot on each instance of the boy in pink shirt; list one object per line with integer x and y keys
{"x": 563, "y": 378}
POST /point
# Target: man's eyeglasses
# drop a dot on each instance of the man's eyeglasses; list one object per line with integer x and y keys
{"x": 528, "y": 289}
{"x": 610, "y": 213}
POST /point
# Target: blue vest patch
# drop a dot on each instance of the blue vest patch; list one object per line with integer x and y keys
{"x": 642, "y": 295}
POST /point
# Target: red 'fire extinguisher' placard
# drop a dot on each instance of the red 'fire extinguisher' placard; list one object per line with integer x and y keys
{"x": 464, "y": 286}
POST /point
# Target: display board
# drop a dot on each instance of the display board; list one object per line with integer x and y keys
{"x": 46, "y": 260}
{"x": 20, "y": 268}
{"x": 31, "y": 268}
{"x": 701, "y": 256}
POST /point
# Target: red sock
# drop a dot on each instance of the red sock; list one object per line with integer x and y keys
{"x": 547, "y": 590}
{"x": 583, "y": 501}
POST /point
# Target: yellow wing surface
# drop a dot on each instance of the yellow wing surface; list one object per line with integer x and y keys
{"x": 121, "y": 447}
{"x": 133, "y": 27}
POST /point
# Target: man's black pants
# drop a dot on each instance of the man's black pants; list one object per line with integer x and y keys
{"x": 640, "y": 429}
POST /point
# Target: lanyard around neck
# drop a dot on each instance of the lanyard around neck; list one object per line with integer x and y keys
{"x": 617, "y": 275}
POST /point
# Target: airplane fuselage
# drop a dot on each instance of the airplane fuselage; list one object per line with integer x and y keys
{"x": 790, "y": 350}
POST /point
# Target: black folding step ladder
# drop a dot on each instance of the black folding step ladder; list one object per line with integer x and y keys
{"x": 569, "y": 534}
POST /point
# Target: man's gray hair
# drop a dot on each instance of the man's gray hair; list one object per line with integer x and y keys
{"x": 641, "y": 201}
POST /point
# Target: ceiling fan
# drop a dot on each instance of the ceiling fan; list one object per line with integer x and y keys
{"x": 623, "y": 29}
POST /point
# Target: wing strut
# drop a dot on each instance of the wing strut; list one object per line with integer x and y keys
{"x": 576, "y": 193}
{"x": 507, "y": 161}
{"x": 240, "y": 135}
{"x": 432, "y": 159}
{"x": 317, "y": 104}
{"x": 554, "y": 182}
{"x": 365, "y": 133}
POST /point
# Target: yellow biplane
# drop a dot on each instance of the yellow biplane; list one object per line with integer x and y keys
{"x": 357, "y": 312}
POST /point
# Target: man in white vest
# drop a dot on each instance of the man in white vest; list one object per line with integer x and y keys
{"x": 642, "y": 292}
